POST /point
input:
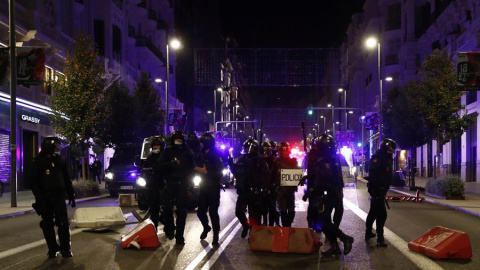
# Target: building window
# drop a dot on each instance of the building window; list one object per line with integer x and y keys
{"x": 117, "y": 43}
{"x": 436, "y": 45}
{"x": 47, "y": 87}
{"x": 99, "y": 36}
{"x": 471, "y": 97}
{"x": 394, "y": 17}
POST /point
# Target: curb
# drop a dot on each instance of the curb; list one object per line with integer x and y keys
{"x": 30, "y": 210}
{"x": 432, "y": 201}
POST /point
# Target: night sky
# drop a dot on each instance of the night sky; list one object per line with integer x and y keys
{"x": 286, "y": 24}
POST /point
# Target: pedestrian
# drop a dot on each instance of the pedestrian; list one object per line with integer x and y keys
{"x": 270, "y": 214}
{"x": 249, "y": 172}
{"x": 97, "y": 170}
{"x": 380, "y": 174}
{"x": 211, "y": 167}
{"x": 323, "y": 183}
{"x": 51, "y": 185}
{"x": 285, "y": 194}
{"x": 152, "y": 171}
{"x": 179, "y": 170}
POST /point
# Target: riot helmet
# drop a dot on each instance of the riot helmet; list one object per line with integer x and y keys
{"x": 326, "y": 145}
{"x": 284, "y": 150}
{"x": 208, "y": 141}
{"x": 388, "y": 146}
{"x": 192, "y": 142}
{"x": 266, "y": 149}
{"x": 274, "y": 146}
{"x": 50, "y": 145}
{"x": 177, "y": 138}
{"x": 250, "y": 146}
{"x": 158, "y": 141}
{"x": 314, "y": 143}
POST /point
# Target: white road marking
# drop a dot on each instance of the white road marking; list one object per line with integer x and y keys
{"x": 220, "y": 249}
{"x": 418, "y": 259}
{"x": 207, "y": 249}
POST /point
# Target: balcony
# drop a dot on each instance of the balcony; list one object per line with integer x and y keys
{"x": 142, "y": 41}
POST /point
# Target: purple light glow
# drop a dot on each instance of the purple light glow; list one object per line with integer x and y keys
{"x": 222, "y": 146}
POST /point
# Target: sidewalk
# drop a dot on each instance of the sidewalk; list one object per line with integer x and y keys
{"x": 471, "y": 204}
{"x": 25, "y": 200}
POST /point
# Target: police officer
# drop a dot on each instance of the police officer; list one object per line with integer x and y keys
{"x": 97, "y": 169}
{"x": 249, "y": 172}
{"x": 209, "y": 196}
{"x": 285, "y": 194}
{"x": 154, "y": 177}
{"x": 324, "y": 179}
{"x": 379, "y": 180}
{"x": 193, "y": 144}
{"x": 269, "y": 210}
{"x": 177, "y": 174}
{"x": 51, "y": 185}
{"x": 274, "y": 146}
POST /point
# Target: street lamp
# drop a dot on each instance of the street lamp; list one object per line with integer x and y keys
{"x": 318, "y": 129}
{"x": 219, "y": 89}
{"x": 175, "y": 43}
{"x": 340, "y": 90}
{"x": 371, "y": 42}
{"x": 324, "y": 118}
{"x": 333, "y": 119}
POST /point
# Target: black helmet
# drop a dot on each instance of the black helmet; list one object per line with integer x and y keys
{"x": 326, "y": 145}
{"x": 158, "y": 140}
{"x": 49, "y": 144}
{"x": 193, "y": 142}
{"x": 266, "y": 149}
{"x": 388, "y": 145}
{"x": 177, "y": 135}
{"x": 284, "y": 147}
{"x": 208, "y": 140}
{"x": 250, "y": 146}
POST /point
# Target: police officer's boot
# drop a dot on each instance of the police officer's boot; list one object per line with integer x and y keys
{"x": 205, "y": 232}
{"x": 333, "y": 251}
{"x": 245, "y": 231}
{"x": 49, "y": 234}
{"x": 291, "y": 217}
{"x": 347, "y": 243}
{"x": 215, "y": 239}
{"x": 369, "y": 234}
{"x": 381, "y": 241}
{"x": 64, "y": 238}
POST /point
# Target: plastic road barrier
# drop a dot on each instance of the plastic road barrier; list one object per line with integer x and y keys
{"x": 90, "y": 217}
{"x": 441, "y": 243}
{"x": 284, "y": 239}
{"x": 143, "y": 235}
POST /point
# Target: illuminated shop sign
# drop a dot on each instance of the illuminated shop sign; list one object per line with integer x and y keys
{"x": 30, "y": 119}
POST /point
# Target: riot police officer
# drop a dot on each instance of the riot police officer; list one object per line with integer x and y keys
{"x": 379, "y": 180}
{"x": 177, "y": 174}
{"x": 153, "y": 173}
{"x": 249, "y": 171}
{"x": 285, "y": 194}
{"x": 211, "y": 167}
{"x": 324, "y": 179}
{"x": 274, "y": 146}
{"x": 51, "y": 185}
{"x": 193, "y": 144}
{"x": 269, "y": 210}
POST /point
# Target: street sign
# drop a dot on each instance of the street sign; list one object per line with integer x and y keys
{"x": 468, "y": 70}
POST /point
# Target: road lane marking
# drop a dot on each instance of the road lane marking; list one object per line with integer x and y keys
{"x": 418, "y": 259}
{"x": 207, "y": 249}
{"x": 221, "y": 248}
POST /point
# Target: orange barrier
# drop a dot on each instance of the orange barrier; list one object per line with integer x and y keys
{"x": 405, "y": 198}
{"x": 284, "y": 239}
{"x": 143, "y": 235}
{"x": 441, "y": 243}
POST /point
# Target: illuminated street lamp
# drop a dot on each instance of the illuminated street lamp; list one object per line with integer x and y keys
{"x": 371, "y": 43}
{"x": 175, "y": 44}
{"x": 324, "y": 118}
{"x": 341, "y": 90}
{"x": 219, "y": 89}
{"x": 333, "y": 119}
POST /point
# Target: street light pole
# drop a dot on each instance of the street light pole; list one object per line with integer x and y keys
{"x": 344, "y": 105}
{"x": 324, "y": 123}
{"x": 167, "y": 73}
{"x": 371, "y": 42}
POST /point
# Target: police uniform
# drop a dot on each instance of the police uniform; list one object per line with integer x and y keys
{"x": 379, "y": 181}
{"x": 51, "y": 185}
{"x": 209, "y": 195}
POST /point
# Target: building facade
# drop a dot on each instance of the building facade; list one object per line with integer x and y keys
{"x": 131, "y": 36}
{"x": 408, "y": 31}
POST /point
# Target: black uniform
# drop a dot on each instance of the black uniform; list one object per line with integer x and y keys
{"x": 379, "y": 181}
{"x": 177, "y": 174}
{"x": 324, "y": 180}
{"x": 96, "y": 170}
{"x": 209, "y": 196}
{"x": 285, "y": 194}
{"x": 268, "y": 208}
{"x": 51, "y": 185}
{"x": 249, "y": 172}
{"x": 155, "y": 184}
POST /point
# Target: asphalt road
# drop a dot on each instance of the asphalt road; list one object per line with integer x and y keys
{"x": 22, "y": 245}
